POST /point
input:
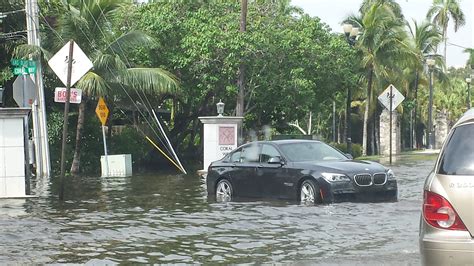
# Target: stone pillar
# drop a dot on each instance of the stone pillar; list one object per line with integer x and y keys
{"x": 385, "y": 133}
{"x": 14, "y": 165}
{"x": 220, "y": 137}
{"x": 441, "y": 128}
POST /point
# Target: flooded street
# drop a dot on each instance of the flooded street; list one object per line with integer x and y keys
{"x": 168, "y": 219}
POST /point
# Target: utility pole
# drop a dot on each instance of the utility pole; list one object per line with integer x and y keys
{"x": 40, "y": 131}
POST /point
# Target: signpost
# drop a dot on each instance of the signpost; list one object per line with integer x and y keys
{"x": 103, "y": 113}
{"x": 70, "y": 64}
{"x": 390, "y": 99}
{"x": 75, "y": 96}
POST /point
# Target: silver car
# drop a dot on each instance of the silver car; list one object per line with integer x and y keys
{"x": 447, "y": 222}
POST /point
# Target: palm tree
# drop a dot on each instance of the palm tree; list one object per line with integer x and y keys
{"x": 424, "y": 37}
{"x": 380, "y": 44}
{"x": 88, "y": 22}
{"x": 470, "y": 61}
{"x": 440, "y": 13}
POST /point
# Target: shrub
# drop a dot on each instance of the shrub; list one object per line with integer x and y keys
{"x": 356, "y": 148}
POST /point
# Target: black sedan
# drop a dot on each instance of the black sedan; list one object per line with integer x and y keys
{"x": 305, "y": 170}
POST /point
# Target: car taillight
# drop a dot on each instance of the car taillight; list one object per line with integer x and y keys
{"x": 439, "y": 213}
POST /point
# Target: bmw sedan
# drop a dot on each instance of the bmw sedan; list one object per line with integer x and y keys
{"x": 447, "y": 222}
{"x": 305, "y": 170}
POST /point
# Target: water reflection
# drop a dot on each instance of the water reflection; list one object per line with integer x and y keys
{"x": 169, "y": 219}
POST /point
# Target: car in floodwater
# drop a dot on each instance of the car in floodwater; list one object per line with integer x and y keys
{"x": 447, "y": 220}
{"x": 305, "y": 170}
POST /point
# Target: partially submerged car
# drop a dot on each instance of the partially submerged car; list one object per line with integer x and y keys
{"x": 447, "y": 221}
{"x": 305, "y": 170}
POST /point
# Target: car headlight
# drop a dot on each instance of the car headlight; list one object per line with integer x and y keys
{"x": 390, "y": 174}
{"x": 333, "y": 177}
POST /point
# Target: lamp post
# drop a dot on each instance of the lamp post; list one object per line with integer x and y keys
{"x": 351, "y": 36}
{"x": 220, "y": 108}
{"x": 430, "y": 62}
{"x": 1, "y": 96}
{"x": 468, "y": 81}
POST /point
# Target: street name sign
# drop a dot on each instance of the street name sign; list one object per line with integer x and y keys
{"x": 80, "y": 64}
{"x": 23, "y": 67}
{"x": 396, "y": 96}
{"x": 24, "y": 92}
{"x": 102, "y": 111}
{"x": 75, "y": 95}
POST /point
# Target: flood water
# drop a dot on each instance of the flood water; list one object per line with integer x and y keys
{"x": 169, "y": 219}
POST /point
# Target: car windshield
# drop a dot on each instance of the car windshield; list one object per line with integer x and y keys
{"x": 310, "y": 151}
{"x": 458, "y": 155}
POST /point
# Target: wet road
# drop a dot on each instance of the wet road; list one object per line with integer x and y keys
{"x": 168, "y": 219}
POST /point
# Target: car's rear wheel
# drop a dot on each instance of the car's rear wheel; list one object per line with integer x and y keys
{"x": 224, "y": 191}
{"x": 309, "y": 192}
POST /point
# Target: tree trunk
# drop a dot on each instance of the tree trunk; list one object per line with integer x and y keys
{"x": 413, "y": 134}
{"x": 239, "y": 109}
{"x": 366, "y": 113}
{"x": 445, "y": 28}
{"x": 76, "y": 162}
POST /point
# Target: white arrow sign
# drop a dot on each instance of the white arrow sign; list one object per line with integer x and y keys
{"x": 396, "y": 96}
{"x": 80, "y": 64}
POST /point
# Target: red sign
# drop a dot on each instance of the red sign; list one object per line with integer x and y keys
{"x": 74, "y": 97}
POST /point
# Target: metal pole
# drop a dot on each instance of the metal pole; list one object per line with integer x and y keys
{"x": 348, "y": 120}
{"x": 390, "y": 110}
{"x": 334, "y": 121}
{"x": 105, "y": 153}
{"x": 38, "y": 109}
{"x": 430, "y": 110}
{"x": 65, "y": 120}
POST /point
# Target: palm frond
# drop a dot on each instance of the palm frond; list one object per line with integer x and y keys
{"x": 93, "y": 85}
{"x": 153, "y": 81}
{"x": 130, "y": 40}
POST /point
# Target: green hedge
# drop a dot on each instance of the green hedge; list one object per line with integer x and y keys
{"x": 356, "y": 148}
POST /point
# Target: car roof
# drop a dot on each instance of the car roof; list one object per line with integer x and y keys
{"x": 467, "y": 117}
{"x": 285, "y": 141}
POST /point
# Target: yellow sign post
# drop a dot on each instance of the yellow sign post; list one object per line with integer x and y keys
{"x": 103, "y": 113}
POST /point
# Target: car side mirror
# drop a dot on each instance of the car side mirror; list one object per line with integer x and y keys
{"x": 349, "y": 156}
{"x": 275, "y": 160}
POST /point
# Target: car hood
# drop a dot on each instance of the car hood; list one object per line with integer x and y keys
{"x": 345, "y": 166}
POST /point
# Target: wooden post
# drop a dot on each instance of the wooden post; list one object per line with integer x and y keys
{"x": 65, "y": 120}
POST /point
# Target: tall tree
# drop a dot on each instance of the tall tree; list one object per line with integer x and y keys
{"x": 470, "y": 60}
{"x": 424, "y": 39}
{"x": 441, "y": 12}
{"x": 382, "y": 44}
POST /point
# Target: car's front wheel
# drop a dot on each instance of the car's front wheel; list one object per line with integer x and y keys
{"x": 224, "y": 191}
{"x": 309, "y": 192}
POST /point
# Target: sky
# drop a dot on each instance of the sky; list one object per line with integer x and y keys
{"x": 333, "y": 12}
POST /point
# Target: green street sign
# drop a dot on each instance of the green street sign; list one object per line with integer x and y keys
{"x": 24, "y": 70}
{"x": 23, "y": 63}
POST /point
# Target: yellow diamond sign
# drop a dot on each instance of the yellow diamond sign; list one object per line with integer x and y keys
{"x": 102, "y": 111}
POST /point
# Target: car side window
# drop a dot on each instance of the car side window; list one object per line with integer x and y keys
{"x": 268, "y": 151}
{"x": 458, "y": 155}
{"x": 250, "y": 154}
{"x": 235, "y": 156}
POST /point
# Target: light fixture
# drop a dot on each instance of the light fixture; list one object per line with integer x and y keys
{"x": 430, "y": 62}
{"x": 1, "y": 96}
{"x": 220, "y": 108}
{"x": 347, "y": 29}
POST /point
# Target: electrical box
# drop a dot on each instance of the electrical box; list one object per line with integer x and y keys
{"x": 118, "y": 165}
